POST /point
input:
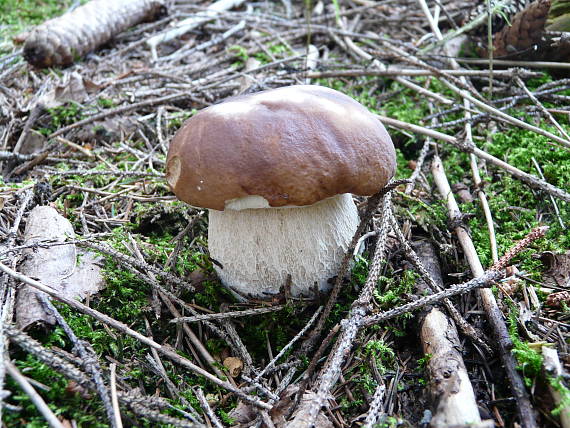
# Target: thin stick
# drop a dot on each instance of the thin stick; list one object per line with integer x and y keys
{"x": 509, "y": 63}
{"x": 79, "y": 306}
{"x": 225, "y": 315}
{"x": 375, "y": 411}
{"x": 36, "y": 398}
{"x": 554, "y": 204}
{"x": 191, "y": 335}
{"x": 350, "y": 326}
{"x": 111, "y": 112}
{"x": 397, "y": 71}
{"x": 190, "y": 23}
{"x": 88, "y": 358}
{"x": 203, "y": 46}
{"x": 498, "y": 113}
{"x": 8, "y": 295}
{"x": 141, "y": 405}
{"x": 142, "y": 265}
{"x": 291, "y": 343}
{"x": 490, "y": 46}
{"x": 544, "y": 110}
{"x": 207, "y": 409}
{"x": 485, "y": 280}
{"x": 466, "y": 328}
{"x": 482, "y": 281}
{"x": 114, "y": 398}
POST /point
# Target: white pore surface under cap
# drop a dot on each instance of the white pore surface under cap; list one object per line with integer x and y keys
{"x": 258, "y": 248}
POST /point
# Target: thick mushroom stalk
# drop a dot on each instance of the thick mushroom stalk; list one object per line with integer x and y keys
{"x": 258, "y": 248}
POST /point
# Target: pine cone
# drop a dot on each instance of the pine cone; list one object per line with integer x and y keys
{"x": 525, "y": 31}
{"x": 556, "y": 300}
{"x": 61, "y": 40}
{"x": 509, "y": 10}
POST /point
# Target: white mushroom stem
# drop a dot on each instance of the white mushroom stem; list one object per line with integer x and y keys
{"x": 258, "y": 248}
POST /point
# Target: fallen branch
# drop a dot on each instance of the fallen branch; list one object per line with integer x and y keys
{"x": 485, "y": 280}
{"x": 350, "y": 326}
{"x": 393, "y": 71}
{"x": 527, "y": 418}
{"x": 225, "y": 315}
{"x": 450, "y": 388}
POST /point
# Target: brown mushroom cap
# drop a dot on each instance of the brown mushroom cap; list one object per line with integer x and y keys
{"x": 294, "y": 145}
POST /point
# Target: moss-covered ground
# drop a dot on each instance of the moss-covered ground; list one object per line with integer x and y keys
{"x": 154, "y": 226}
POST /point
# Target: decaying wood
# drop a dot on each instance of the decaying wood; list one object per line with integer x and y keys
{"x": 555, "y": 374}
{"x": 72, "y": 273}
{"x": 60, "y": 41}
{"x": 450, "y": 387}
{"x": 527, "y": 417}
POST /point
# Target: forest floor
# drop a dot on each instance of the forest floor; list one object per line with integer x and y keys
{"x": 91, "y": 139}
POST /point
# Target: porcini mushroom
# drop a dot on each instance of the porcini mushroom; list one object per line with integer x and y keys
{"x": 276, "y": 170}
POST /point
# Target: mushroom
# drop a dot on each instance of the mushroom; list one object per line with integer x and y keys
{"x": 276, "y": 170}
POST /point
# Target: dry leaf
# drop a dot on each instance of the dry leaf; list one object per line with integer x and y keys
{"x": 72, "y": 87}
{"x": 73, "y": 274}
{"x": 243, "y": 413}
{"x": 234, "y": 366}
{"x": 556, "y": 300}
{"x": 557, "y": 268}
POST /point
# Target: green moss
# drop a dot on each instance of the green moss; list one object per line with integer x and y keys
{"x": 179, "y": 118}
{"x": 240, "y": 53}
{"x": 84, "y": 409}
{"x": 391, "y": 289}
{"x": 558, "y": 384}
{"x": 384, "y": 355}
{"x": 515, "y": 207}
{"x": 277, "y": 50}
{"x": 225, "y": 418}
{"x": 422, "y": 362}
{"x": 65, "y": 115}
{"x": 529, "y": 360}
{"x": 105, "y": 102}
{"x": 18, "y": 15}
